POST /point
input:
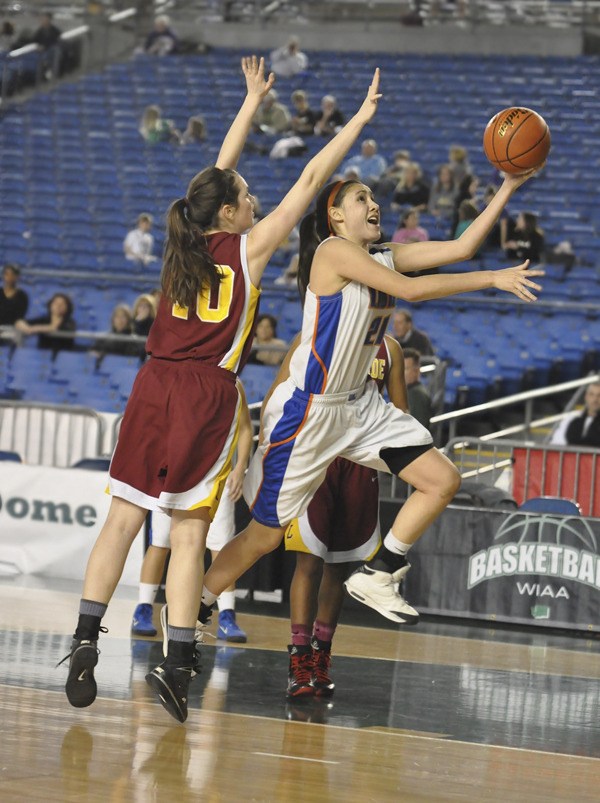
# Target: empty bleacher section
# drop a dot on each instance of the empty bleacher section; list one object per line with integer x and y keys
{"x": 75, "y": 173}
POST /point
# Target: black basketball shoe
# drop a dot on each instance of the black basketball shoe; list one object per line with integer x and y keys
{"x": 300, "y": 671}
{"x": 81, "y": 685}
{"x": 321, "y": 659}
{"x": 171, "y": 679}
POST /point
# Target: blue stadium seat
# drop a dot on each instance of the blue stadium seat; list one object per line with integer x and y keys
{"x": 13, "y": 457}
{"x": 551, "y": 504}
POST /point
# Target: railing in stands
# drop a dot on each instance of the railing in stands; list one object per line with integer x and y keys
{"x": 530, "y": 470}
{"x": 50, "y": 434}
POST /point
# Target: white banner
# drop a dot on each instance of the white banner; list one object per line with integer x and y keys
{"x": 50, "y": 519}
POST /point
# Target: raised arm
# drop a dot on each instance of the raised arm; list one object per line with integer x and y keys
{"x": 265, "y": 237}
{"x": 352, "y": 263}
{"x": 257, "y": 87}
{"x": 432, "y": 254}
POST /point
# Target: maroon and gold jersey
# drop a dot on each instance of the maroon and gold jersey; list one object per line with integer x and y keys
{"x": 220, "y": 329}
{"x": 380, "y": 367}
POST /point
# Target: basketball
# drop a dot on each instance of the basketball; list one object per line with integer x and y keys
{"x": 516, "y": 140}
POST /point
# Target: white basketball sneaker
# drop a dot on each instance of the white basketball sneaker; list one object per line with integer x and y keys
{"x": 379, "y": 591}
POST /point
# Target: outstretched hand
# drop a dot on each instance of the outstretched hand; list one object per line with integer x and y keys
{"x": 254, "y": 73}
{"x": 369, "y": 105}
{"x": 517, "y": 281}
{"x": 515, "y": 180}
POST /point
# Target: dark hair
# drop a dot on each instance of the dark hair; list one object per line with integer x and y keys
{"x": 405, "y": 312}
{"x": 467, "y": 210}
{"x": 68, "y": 302}
{"x": 412, "y": 354}
{"x": 406, "y": 214}
{"x": 314, "y": 228}
{"x": 272, "y": 320}
{"x": 188, "y": 267}
{"x": 9, "y": 266}
{"x": 531, "y": 221}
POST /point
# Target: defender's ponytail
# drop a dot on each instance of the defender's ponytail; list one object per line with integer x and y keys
{"x": 188, "y": 267}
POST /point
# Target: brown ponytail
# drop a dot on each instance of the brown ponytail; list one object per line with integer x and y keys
{"x": 316, "y": 227}
{"x": 188, "y": 267}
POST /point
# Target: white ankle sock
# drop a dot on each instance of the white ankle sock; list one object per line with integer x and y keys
{"x": 147, "y": 593}
{"x": 226, "y": 601}
{"x": 394, "y": 545}
{"x": 208, "y": 598}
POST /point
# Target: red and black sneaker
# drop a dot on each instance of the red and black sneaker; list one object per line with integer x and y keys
{"x": 321, "y": 661}
{"x": 300, "y": 671}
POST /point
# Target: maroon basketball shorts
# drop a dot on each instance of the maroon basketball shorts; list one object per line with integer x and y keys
{"x": 178, "y": 436}
{"x": 341, "y": 524}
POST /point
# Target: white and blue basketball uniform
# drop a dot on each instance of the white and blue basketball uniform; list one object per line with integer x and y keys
{"x": 327, "y": 408}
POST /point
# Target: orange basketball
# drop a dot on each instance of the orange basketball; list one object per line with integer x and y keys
{"x": 516, "y": 140}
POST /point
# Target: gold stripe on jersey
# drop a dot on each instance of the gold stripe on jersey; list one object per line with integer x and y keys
{"x": 234, "y": 359}
{"x": 214, "y": 497}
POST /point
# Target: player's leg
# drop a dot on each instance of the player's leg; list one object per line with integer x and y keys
{"x": 171, "y": 679}
{"x": 435, "y": 481}
{"x": 238, "y": 556}
{"x": 104, "y": 570}
{"x": 153, "y": 568}
{"x": 303, "y": 605}
{"x": 330, "y": 601}
{"x": 221, "y": 531}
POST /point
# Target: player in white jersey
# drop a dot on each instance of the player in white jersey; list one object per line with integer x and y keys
{"x": 326, "y": 409}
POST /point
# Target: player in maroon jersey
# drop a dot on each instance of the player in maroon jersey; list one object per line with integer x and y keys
{"x": 180, "y": 427}
{"x": 339, "y": 527}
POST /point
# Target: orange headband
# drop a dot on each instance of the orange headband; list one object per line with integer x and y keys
{"x": 334, "y": 191}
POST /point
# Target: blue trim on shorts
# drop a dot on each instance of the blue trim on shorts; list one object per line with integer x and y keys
{"x": 275, "y": 462}
{"x": 330, "y": 311}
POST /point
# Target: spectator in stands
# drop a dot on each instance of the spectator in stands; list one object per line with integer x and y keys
{"x": 266, "y": 335}
{"x": 442, "y": 197}
{"x": 272, "y": 117}
{"x": 121, "y": 323}
{"x": 494, "y": 239}
{"x": 467, "y": 212}
{"x": 406, "y": 334}
{"x": 144, "y": 313}
{"x": 393, "y": 173}
{"x": 154, "y": 128}
{"x": 289, "y": 60}
{"x": 412, "y": 189}
{"x": 408, "y": 230}
{"x": 7, "y": 36}
{"x": 59, "y": 318}
{"x": 162, "y": 39}
{"x": 195, "y": 130}
{"x": 138, "y": 243}
{"x": 370, "y": 163}
{"x": 330, "y": 119}
{"x": 582, "y": 428}
{"x": 47, "y": 36}
{"x": 467, "y": 190}
{"x": 419, "y": 400}
{"x": 458, "y": 161}
{"x": 522, "y": 238}
{"x": 13, "y": 301}
{"x": 303, "y": 117}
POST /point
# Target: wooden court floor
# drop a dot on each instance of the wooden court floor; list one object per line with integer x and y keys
{"x": 440, "y": 712}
